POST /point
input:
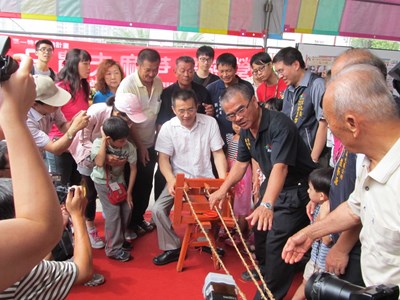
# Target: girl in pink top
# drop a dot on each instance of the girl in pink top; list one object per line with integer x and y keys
{"x": 73, "y": 77}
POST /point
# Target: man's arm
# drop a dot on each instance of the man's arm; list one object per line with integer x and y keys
{"x": 37, "y": 226}
{"x": 263, "y": 215}
{"x": 220, "y": 163}
{"x": 143, "y": 153}
{"x": 166, "y": 170}
{"x": 341, "y": 219}
{"x": 338, "y": 256}
{"x": 320, "y": 140}
{"x": 76, "y": 204}
{"x": 236, "y": 173}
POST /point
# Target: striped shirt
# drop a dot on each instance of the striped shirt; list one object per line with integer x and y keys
{"x": 50, "y": 280}
{"x": 319, "y": 250}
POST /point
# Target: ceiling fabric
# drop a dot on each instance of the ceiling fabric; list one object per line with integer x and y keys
{"x": 358, "y": 18}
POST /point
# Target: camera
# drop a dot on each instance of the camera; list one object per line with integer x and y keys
{"x": 7, "y": 65}
{"x": 326, "y": 286}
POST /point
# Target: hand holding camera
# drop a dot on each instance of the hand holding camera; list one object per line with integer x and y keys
{"x": 17, "y": 92}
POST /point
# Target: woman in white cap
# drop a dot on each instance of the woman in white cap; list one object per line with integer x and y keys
{"x": 126, "y": 106}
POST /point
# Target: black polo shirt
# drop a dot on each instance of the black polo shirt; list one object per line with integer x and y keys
{"x": 166, "y": 113}
{"x": 278, "y": 141}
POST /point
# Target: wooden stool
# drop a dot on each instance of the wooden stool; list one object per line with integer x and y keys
{"x": 197, "y": 190}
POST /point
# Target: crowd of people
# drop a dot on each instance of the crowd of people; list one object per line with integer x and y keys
{"x": 267, "y": 136}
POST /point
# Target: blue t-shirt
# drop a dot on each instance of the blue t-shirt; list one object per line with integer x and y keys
{"x": 100, "y": 97}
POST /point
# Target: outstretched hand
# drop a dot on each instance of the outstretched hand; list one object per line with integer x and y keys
{"x": 263, "y": 217}
{"x": 296, "y": 246}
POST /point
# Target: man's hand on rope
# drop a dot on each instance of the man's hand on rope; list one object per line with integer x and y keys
{"x": 217, "y": 197}
{"x": 263, "y": 216}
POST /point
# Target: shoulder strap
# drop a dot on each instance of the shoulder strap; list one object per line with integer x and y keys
{"x": 52, "y": 74}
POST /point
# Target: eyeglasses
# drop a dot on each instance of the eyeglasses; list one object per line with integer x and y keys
{"x": 239, "y": 113}
{"x": 48, "y": 50}
{"x": 205, "y": 59}
{"x": 259, "y": 70}
{"x": 182, "y": 112}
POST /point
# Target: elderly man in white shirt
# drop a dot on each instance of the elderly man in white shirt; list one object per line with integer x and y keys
{"x": 362, "y": 113}
{"x": 184, "y": 144}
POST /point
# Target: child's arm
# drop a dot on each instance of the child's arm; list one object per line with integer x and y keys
{"x": 132, "y": 178}
{"x": 323, "y": 212}
{"x": 100, "y": 159}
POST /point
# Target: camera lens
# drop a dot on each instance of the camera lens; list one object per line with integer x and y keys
{"x": 327, "y": 286}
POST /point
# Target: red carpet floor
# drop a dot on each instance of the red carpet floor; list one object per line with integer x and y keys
{"x": 141, "y": 279}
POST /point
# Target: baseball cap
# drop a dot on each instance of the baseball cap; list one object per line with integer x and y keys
{"x": 48, "y": 93}
{"x": 129, "y": 103}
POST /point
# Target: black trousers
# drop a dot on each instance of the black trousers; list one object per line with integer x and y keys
{"x": 353, "y": 270}
{"x": 91, "y": 195}
{"x": 142, "y": 188}
{"x": 289, "y": 217}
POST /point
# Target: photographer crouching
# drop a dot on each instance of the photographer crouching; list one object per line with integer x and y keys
{"x": 362, "y": 113}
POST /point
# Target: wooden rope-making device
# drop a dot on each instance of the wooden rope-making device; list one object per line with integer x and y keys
{"x": 191, "y": 207}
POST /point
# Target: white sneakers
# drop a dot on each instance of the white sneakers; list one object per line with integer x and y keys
{"x": 95, "y": 240}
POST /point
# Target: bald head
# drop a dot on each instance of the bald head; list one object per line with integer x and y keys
{"x": 361, "y": 89}
{"x": 358, "y": 56}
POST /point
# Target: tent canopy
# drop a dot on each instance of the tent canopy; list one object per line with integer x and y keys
{"x": 358, "y": 18}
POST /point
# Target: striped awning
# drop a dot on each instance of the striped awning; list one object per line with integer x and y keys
{"x": 358, "y": 18}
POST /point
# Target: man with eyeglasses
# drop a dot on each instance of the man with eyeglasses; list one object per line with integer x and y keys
{"x": 272, "y": 139}
{"x": 271, "y": 86}
{"x": 184, "y": 145}
{"x": 302, "y": 100}
{"x": 184, "y": 71}
{"x": 44, "y": 52}
{"x": 205, "y": 58}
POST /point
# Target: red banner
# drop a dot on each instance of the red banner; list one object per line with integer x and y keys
{"x": 126, "y": 56}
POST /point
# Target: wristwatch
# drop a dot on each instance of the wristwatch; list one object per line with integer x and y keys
{"x": 267, "y": 205}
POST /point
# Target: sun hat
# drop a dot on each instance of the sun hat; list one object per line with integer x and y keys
{"x": 129, "y": 103}
{"x": 48, "y": 93}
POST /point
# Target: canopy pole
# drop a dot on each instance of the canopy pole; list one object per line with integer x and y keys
{"x": 268, "y": 12}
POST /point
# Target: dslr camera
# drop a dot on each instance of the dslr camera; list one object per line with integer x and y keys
{"x": 326, "y": 286}
{"x": 7, "y": 64}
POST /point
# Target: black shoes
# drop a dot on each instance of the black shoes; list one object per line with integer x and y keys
{"x": 127, "y": 246}
{"x": 207, "y": 249}
{"x": 143, "y": 228}
{"x": 246, "y": 276}
{"x": 167, "y": 257}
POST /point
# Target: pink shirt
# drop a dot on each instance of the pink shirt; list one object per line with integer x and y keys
{"x": 74, "y": 106}
{"x": 81, "y": 146}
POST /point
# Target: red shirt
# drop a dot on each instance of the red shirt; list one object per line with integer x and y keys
{"x": 264, "y": 92}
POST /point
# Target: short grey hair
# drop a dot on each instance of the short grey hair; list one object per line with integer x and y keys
{"x": 231, "y": 91}
{"x": 361, "y": 88}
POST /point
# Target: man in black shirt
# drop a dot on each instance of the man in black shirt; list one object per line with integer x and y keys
{"x": 184, "y": 71}
{"x": 205, "y": 58}
{"x": 273, "y": 140}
